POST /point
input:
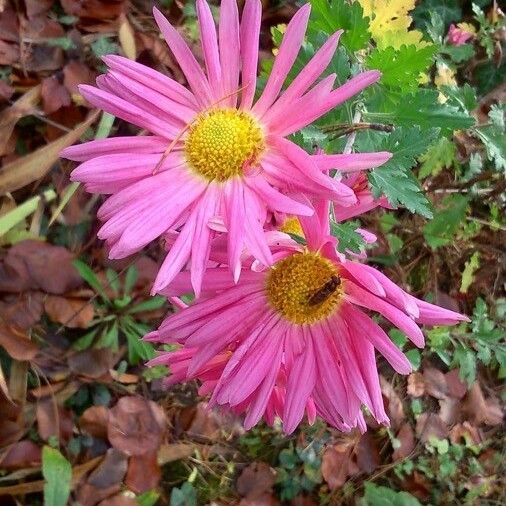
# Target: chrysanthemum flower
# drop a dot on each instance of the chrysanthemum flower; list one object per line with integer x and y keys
{"x": 212, "y": 151}
{"x": 295, "y": 338}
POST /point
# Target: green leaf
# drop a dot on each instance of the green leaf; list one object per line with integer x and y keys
{"x": 57, "y": 473}
{"x": 384, "y": 496}
{"x": 109, "y": 337}
{"x": 448, "y": 10}
{"x": 421, "y": 108}
{"x": 459, "y": 54}
{"x": 103, "y": 46}
{"x": 488, "y": 76}
{"x": 394, "y": 179}
{"x": 113, "y": 280}
{"x": 471, "y": 266}
{"x": 466, "y": 360}
{"x": 415, "y": 358}
{"x": 130, "y": 279}
{"x": 137, "y": 349}
{"x": 152, "y": 304}
{"x": 348, "y": 238}
{"x": 496, "y": 115}
{"x": 334, "y": 15}
{"x": 437, "y": 157}
{"x": 149, "y": 498}
{"x": 495, "y": 144}
{"x": 184, "y": 496}
{"x": 446, "y": 221}
{"x": 85, "y": 341}
{"x": 89, "y": 276}
{"x": 401, "y": 67}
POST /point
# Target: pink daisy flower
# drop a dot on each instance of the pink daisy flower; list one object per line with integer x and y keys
{"x": 457, "y": 36}
{"x": 212, "y": 151}
{"x": 296, "y": 337}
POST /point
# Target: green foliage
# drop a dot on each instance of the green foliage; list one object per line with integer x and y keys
{"x": 494, "y": 140}
{"x": 333, "y": 15}
{"x": 448, "y": 11}
{"x": 394, "y": 179}
{"x": 439, "y": 156}
{"x": 57, "y": 473}
{"x": 116, "y": 316}
{"x": 446, "y": 222}
{"x": 186, "y": 495}
{"x": 103, "y": 46}
{"x": 420, "y": 108}
{"x": 384, "y": 496}
{"x": 482, "y": 341}
{"x": 471, "y": 266}
{"x": 401, "y": 68}
{"x": 349, "y": 239}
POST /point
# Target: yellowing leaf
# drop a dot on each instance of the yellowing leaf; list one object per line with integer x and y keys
{"x": 390, "y": 22}
{"x": 445, "y": 76}
{"x": 126, "y": 37}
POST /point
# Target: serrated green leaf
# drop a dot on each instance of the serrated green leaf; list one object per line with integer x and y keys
{"x": 446, "y": 221}
{"x": 437, "y": 157}
{"x": 494, "y": 141}
{"x": 459, "y": 54}
{"x": 421, "y": 108}
{"x": 466, "y": 361}
{"x": 333, "y": 15}
{"x": 401, "y": 67}
{"x": 348, "y": 238}
{"x": 383, "y": 496}
{"x": 394, "y": 179}
{"x": 448, "y": 10}
{"x": 57, "y": 473}
{"x": 471, "y": 266}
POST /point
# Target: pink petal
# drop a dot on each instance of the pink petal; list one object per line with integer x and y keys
{"x": 124, "y": 110}
{"x": 189, "y": 65}
{"x": 235, "y": 217}
{"x": 149, "y": 77}
{"x": 292, "y": 40}
{"x": 352, "y": 162}
{"x": 115, "y": 145}
{"x": 363, "y": 298}
{"x": 250, "y": 31}
{"x": 209, "y": 43}
{"x": 229, "y": 50}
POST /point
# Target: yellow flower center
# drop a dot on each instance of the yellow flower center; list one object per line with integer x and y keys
{"x": 304, "y": 288}
{"x": 292, "y": 226}
{"x": 221, "y": 143}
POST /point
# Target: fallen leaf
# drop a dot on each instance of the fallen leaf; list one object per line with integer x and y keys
{"x": 143, "y": 473}
{"x": 20, "y": 108}
{"x": 37, "y": 164}
{"x": 6, "y": 91}
{"x": 9, "y": 53}
{"x": 176, "y": 451}
{"x": 479, "y": 410}
{"x": 95, "y": 9}
{"x": 416, "y": 384}
{"x": 111, "y": 470}
{"x": 435, "y": 383}
{"x": 76, "y": 73}
{"x": 393, "y": 405}
{"x": 53, "y": 420}
{"x": 70, "y": 312}
{"x": 430, "y": 425}
{"x": 126, "y": 37}
{"x": 94, "y": 421}
{"x": 457, "y": 388}
{"x": 23, "y": 310}
{"x": 17, "y": 344}
{"x": 36, "y": 265}
{"x": 92, "y": 363}
{"x": 367, "y": 453}
{"x": 338, "y": 464}
{"x": 467, "y": 433}
{"x": 36, "y": 7}
{"x": 54, "y": 95}
{"x": 119, "y": 500}
{"x": 256, "y": 480}
{"x": 136, "y": 425}
{"x": 406, "y": 438}
{"x": 20, "y": 455}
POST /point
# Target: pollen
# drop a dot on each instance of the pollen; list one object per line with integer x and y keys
{"x": 304, "y": 288}
{"x": 292, "y": 226}
{"x": 222, "y": 143}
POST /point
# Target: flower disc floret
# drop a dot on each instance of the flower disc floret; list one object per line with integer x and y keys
{"x": 304, "y": 288}
{"x": 221, "y": 143}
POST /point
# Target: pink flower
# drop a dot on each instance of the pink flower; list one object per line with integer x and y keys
{"x": 457, "y": 36}
{"x": 294, "y": 338}
{"x": 211, "y": 151}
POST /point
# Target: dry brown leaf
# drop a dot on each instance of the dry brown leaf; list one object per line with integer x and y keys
{"x": 119, "y": 500}
{"x": 256, "y": 480}
{"x": 136, "y": 425}
{"x": 92, "y": 363}
{"x": 337, "y": 465}
{"x": 37, "y": 164}
{"x": 435, "y": 383}
{"x": 394, "y": 406}
{"x": 171, "y": 452}
{"x": 430, "y": 425}
{"x": 23, "y": 310}
{"x": 143, "y": 473}
{"x": 20, "y": 455}
{"x": 94, "y": 421}
{"x": 126, "y": 37}
{"x": 467, "y": 433}
{"x": 73, "y": 313}
{"x": 406, "y": 438}
{"x": 20, "y": 108}
{"x": 54, "y": 95}
{"x": 53, "y": 420}
{"x": 36, "y": 265}
{"x": 416, "y": 385}
{"x": 3, "y": 385}
{"x": 17, "y": 344}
